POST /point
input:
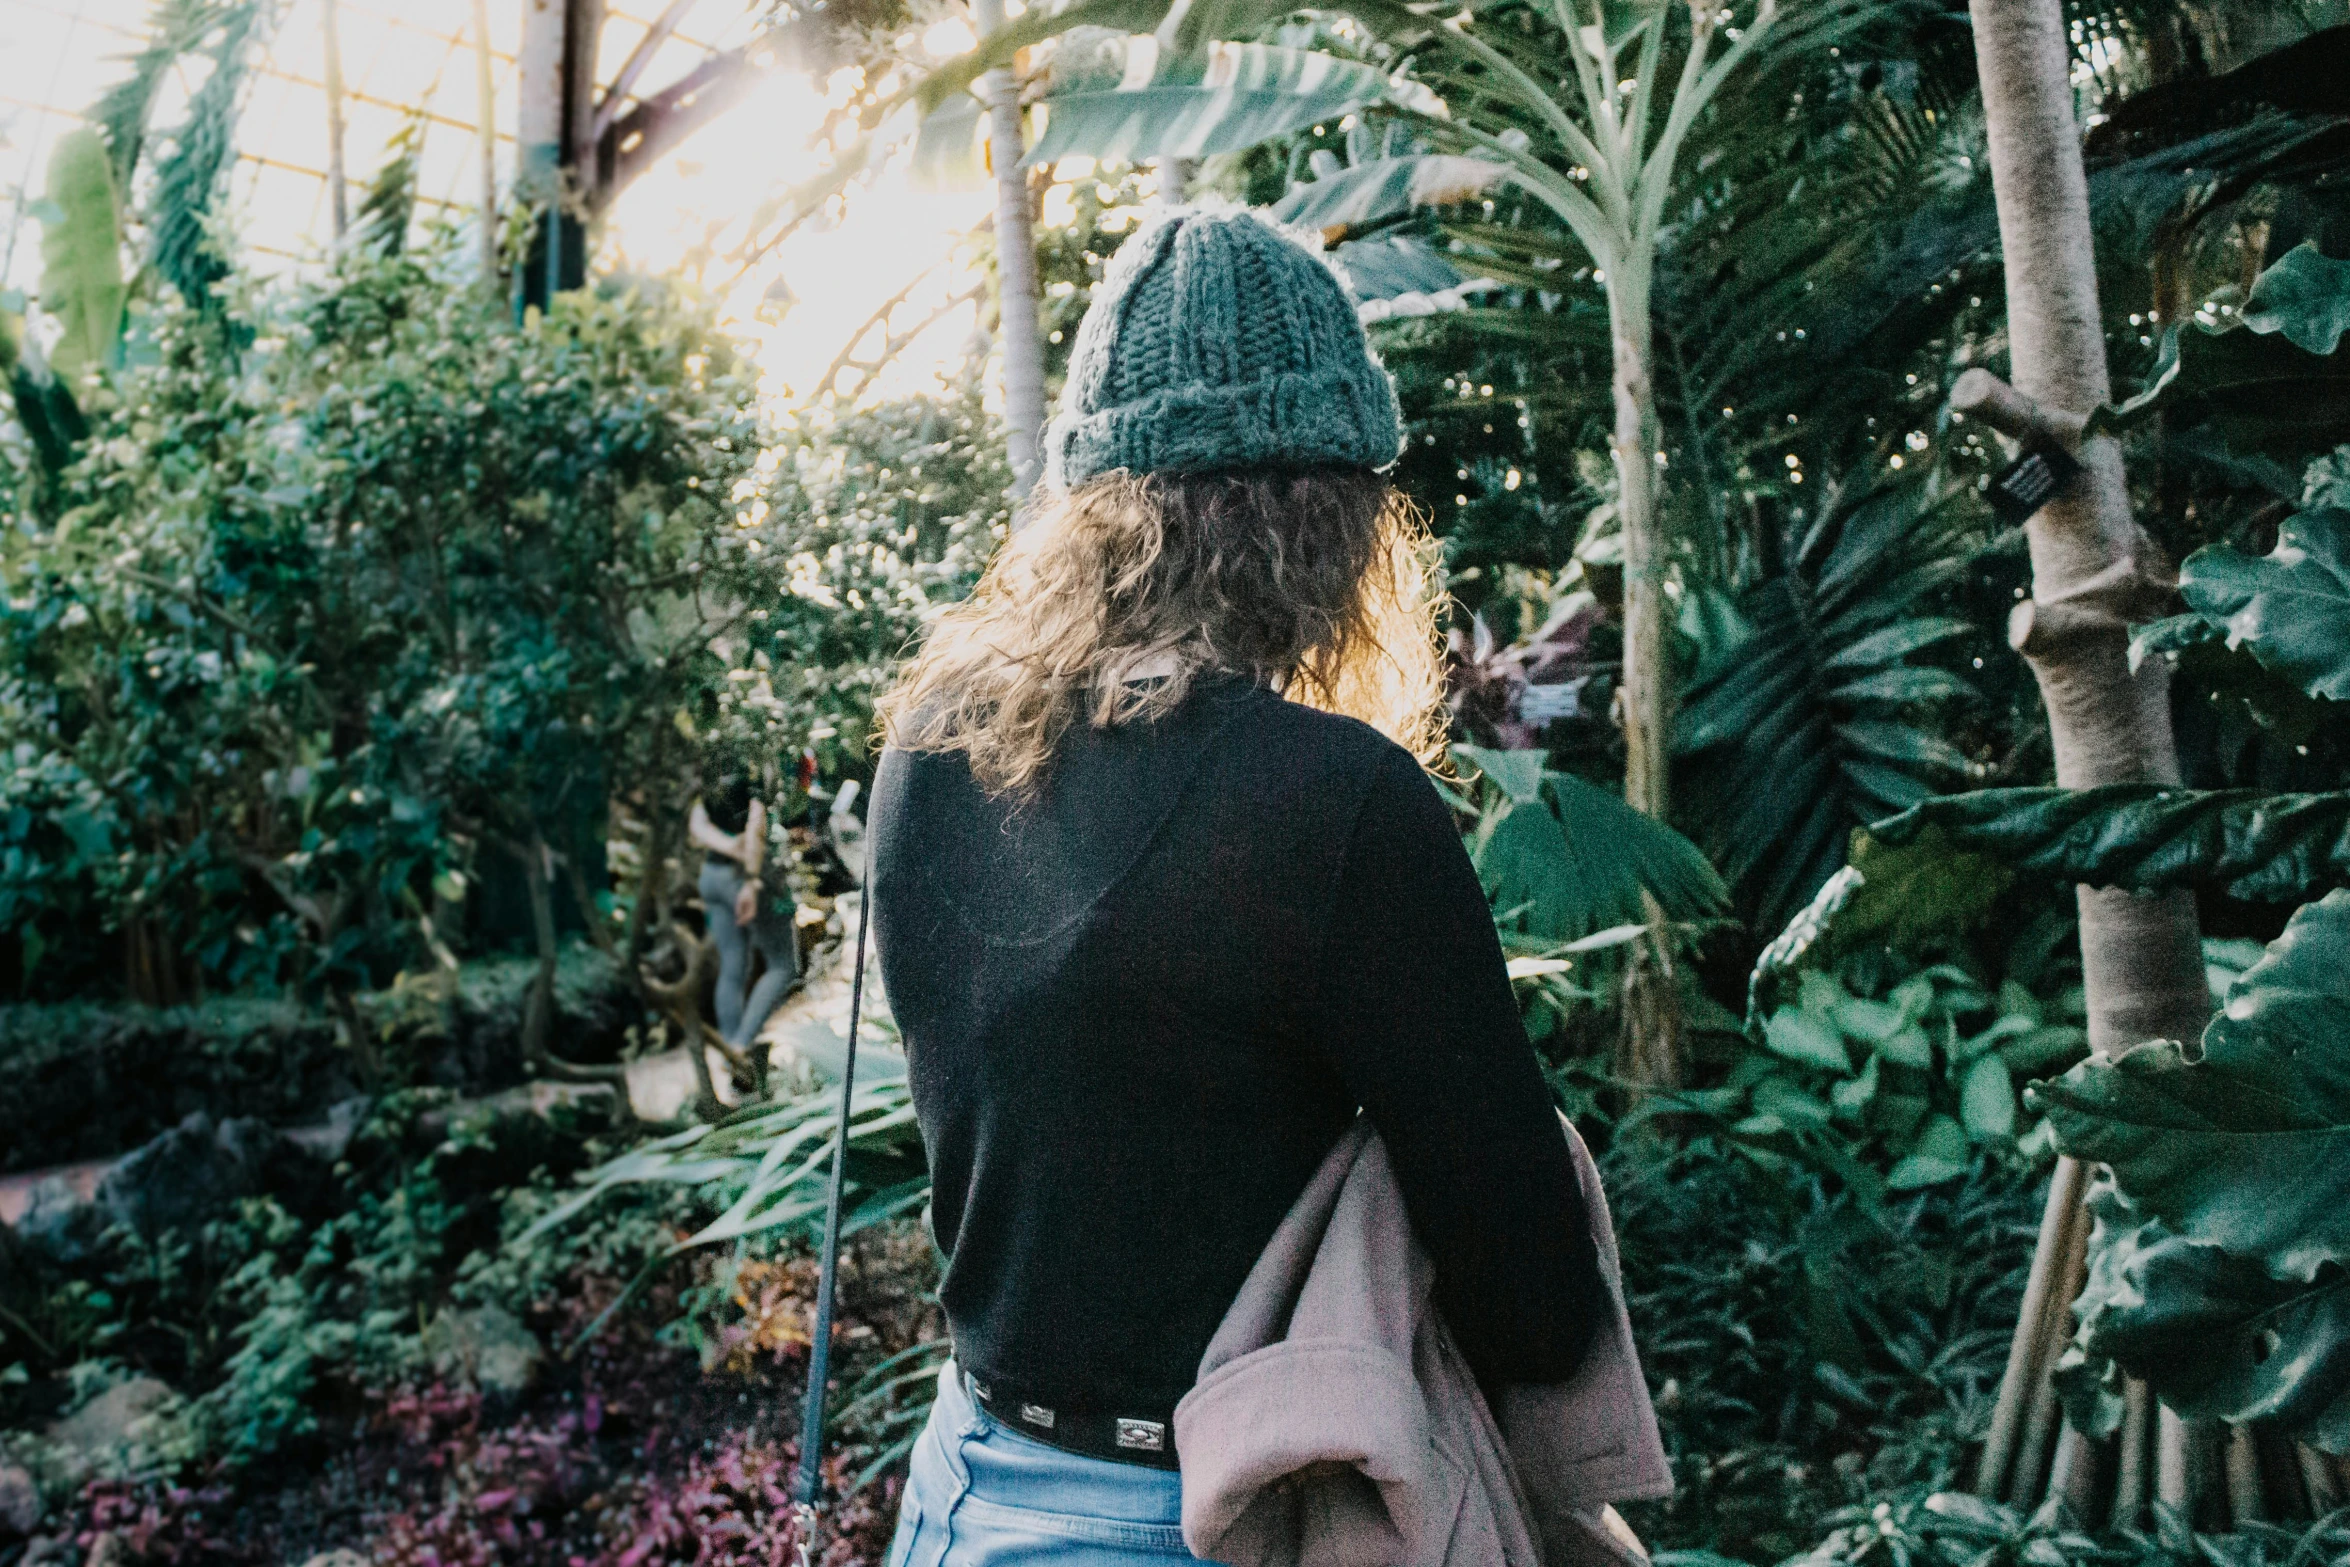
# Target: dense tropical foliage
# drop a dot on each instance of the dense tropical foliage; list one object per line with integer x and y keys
{"x": 367, "y": 639}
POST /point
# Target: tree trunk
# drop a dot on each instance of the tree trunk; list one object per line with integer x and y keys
{"x": 331, "y": 42}
{"x": 2093, "y": 570}
{"x": 1647, "y": 683}
{"x": 1015, "y": 262}
{"x": 485, "y": 97}
{"x": 1649, "y": 1049}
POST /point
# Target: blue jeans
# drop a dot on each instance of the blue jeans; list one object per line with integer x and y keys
{"x": 982, "y": 1495}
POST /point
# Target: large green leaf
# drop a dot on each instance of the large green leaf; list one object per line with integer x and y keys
{"x": 2291, "y": 607}
{"x": 2245, "y": 1143}
{"x": 81, "y": 255}
{"x": 1812, "y": 723}
{"x": 1386, "y": 188}
{"x": 2305, "y": 298}
{"x": 1570, "y": 858}
{"x": 2269, "y": 380}
{"x": 1242, "y": 94}
{"x": 2216, "y": 1336}
{"x": 2260, "y": 847}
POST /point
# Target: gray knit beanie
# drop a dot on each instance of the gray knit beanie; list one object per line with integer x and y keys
{"x": 1217, "y": 342}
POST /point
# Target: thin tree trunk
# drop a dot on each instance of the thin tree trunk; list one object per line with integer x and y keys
{"x": 338, "y": 200}
{"x": 1015, "y": 261}
{"x": 485, "y": 94}
{"x": 2093, "y": 569}
{"x": 1647, "y": 688}
{"x": 1649, "y": 1052}
{"x": 538, "y": 1012}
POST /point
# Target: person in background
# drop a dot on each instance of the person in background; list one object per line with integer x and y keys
{"x": 748, "y": 906}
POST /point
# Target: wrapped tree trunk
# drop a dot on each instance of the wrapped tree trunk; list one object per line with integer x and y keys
{"x": 2094, "y": 571}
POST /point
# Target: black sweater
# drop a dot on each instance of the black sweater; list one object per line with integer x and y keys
{"x": 1142, "y": 1005}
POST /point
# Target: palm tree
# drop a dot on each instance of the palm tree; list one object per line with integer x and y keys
{"x": 1019, "y": 339}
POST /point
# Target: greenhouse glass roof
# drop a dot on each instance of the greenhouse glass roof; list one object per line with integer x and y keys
{"x": 407, "y": 61}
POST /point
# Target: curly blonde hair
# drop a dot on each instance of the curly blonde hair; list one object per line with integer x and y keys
{"x": 1318, "y": 582}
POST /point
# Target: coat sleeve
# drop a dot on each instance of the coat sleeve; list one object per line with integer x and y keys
{"x": 1417, "y": 1017}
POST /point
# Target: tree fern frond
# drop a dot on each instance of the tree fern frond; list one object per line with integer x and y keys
{"x": 189, "y": 178}
{"x": 174, "y": 27}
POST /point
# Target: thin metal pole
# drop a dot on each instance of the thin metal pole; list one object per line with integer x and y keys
{"x": 820, "y": 1340}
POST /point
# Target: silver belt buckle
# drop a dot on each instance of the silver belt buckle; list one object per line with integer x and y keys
{"x": 1146, "y": 1436}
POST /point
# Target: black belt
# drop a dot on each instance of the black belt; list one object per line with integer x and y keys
{"x": 1125, "y": 1439}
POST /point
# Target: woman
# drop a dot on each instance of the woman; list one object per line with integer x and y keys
{"x": 1163, "y": 896}
{"x": 746, "y": 904}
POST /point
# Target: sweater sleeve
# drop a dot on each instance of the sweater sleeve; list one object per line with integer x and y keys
{"x": 1417, "y": 1017}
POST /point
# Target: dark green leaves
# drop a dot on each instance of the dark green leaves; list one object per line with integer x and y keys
{"x": 2304, "y": 298}
{"x": 1810, "y": 725}
{"x": 1567, "y": 858}
{"x": 2260, "y": 847}
{"x": 2232, "y": 1342}
{"x": 2219, "y": 1272}
{"x": 2246, "y": 1142}
{"x": 2274, "y": 379}
{"x": 2291, "y": 607}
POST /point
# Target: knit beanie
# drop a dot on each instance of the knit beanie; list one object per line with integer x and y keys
{"x": 1215, "y": 341}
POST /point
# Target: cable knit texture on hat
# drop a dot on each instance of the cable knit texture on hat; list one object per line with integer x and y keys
{"x": 1215, "y": 341}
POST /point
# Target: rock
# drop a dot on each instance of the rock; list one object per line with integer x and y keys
{"x": 186, "y": 1175}
{"x": 104, "y": 1423}
{"x": 20, "y": 1502}
{"x": 487, "y": 1347}
{"x": 59, "y": 1223}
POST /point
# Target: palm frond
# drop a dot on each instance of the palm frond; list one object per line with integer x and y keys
{"x": 1810, "y": 724}
{"x": 189, "y": 179}
{"x": 1562, "y": 858}
{"x": 390, "y": 203}
{"x": 174, "y": 27}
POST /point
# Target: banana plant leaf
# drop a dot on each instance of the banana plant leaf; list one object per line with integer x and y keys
{"x": 1246, "y": 94}
{"x": 2291, "y": 607}
{"x": 1385, "y": 188}
{"x": 2259, "y": 847}
{"x": 81, "y": 255}
{"x": 2243, "y": 1144}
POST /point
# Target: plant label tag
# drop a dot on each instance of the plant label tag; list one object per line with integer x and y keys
{"x": 2029, "y": 483}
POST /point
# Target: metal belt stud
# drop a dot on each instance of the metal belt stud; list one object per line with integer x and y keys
{"x": 1147, "y": 1436}
{"x": 1037, "y": 1415}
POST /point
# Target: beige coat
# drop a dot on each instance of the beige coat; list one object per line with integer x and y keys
{"x": 1335, "y": 1424}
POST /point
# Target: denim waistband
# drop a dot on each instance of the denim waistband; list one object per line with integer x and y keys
{"x": 979, "y": 1492}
